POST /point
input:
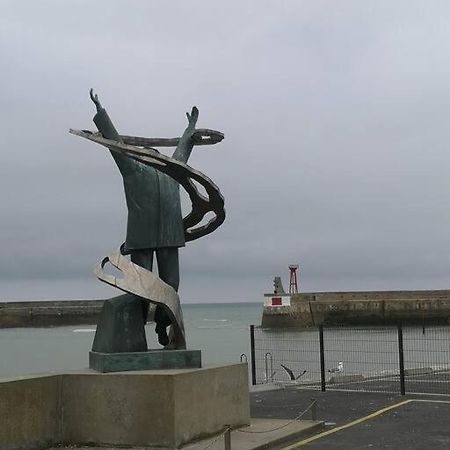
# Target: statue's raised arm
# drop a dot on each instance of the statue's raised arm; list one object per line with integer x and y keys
{"x": 186, "y": 144}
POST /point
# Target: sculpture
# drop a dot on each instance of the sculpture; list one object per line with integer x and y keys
{"x": 155, "y": 228}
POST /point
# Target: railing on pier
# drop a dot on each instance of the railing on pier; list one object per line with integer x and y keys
{"x": 403, "y": 359}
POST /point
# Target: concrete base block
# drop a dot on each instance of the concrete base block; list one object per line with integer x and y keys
{"x": 346, "y": 378}
{"x": 29, "y": 413}
{"x": 418, "y": 371}
{"x": 160, "y": 408}
{"x": 149, "y": 360}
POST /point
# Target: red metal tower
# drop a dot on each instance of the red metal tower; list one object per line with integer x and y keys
{"x": 293, "y": 286}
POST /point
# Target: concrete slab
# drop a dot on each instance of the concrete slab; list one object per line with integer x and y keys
{"x": 257, "y": 436}
{"x": 263, "y": 434}
{"x": 265, "y": 387}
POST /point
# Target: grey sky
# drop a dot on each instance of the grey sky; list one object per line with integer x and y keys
{"x": 336, "y": 153}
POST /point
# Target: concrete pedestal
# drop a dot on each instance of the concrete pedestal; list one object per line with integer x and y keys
{"x": 160, "y": 408}
{"x": 149, "y": 360}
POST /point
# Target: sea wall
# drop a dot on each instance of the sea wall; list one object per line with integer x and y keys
{"x": 49, "y": 313}
{"x": 360, "y": 308}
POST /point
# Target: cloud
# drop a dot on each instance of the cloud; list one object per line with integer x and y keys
{"x": 336, "y": 138}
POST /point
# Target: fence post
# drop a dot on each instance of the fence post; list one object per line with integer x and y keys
{"x": 252, "y": 354}
{"x": 322, "y": 359}
{"x": 401, "y": 361}
{"x": 227, "y": 438}
{"x": 268, "y": 366}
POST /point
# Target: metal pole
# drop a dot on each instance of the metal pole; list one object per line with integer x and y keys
{"x": 268, "y": 365}
{"x": 252, "y": 354}
{"x": 322, "y": 359}
{"x": 227, "y": 438}
{"x": 401, "y": 361}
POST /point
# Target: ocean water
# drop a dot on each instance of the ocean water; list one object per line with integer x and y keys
{"x": 220, "y": 331}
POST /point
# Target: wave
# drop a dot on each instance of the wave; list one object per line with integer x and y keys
{"x": 83, "y": 330}
{"x": 215, "y": 320}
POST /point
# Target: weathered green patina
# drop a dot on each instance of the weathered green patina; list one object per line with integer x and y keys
{"x": 146, "y": 360}
{"x": 155, "y": 228}
{"x": 153, "y": 198}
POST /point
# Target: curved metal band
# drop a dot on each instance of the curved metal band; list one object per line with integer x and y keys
{"x": 143, "y": 283}
{"x": 184, "y": 175}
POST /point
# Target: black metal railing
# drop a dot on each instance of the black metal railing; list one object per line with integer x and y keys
{"x": 404, "y": 359}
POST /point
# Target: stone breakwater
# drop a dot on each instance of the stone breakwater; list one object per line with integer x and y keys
{"x": 356, "y": 308}
{"x": 49, "y": 313}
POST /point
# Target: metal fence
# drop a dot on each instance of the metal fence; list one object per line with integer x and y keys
{"x": 403, "y": 359}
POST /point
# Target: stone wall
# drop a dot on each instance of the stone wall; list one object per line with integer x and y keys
{"x": 49, "y": 313}
{"x": 361, "y": 308}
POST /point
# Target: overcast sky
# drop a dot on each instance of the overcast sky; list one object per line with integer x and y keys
{"x": 336, "y": 153}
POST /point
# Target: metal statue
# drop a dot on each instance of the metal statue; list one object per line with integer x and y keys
{"x": 155, "y": 229}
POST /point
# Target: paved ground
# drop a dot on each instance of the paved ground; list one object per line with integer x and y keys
{"x": 430, "y": 383}
{"x": 354, "y": 420}
{"x": 358, "y": 420}
{"x": 412, "y": 426}
{"x": 261, "y": 434}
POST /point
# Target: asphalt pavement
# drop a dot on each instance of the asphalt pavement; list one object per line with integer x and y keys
{"x": 362, "y": 420}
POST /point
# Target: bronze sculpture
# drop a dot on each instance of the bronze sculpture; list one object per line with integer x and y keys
{"x": 155, "y": 228}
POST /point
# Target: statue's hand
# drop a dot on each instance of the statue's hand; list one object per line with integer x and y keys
{"x": 192, "y": 118}
{"x": 186, "y": 142}
{"x": 95, "y": 99}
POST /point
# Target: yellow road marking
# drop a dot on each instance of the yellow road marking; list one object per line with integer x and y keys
{"x": 424, "y": 400}
{"x": 361, "y": 419}
{"x": 347, "y": 425}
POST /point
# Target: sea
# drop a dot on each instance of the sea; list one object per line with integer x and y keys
{"x": 219, "y": 330}
{"x": 222, "y": 332}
